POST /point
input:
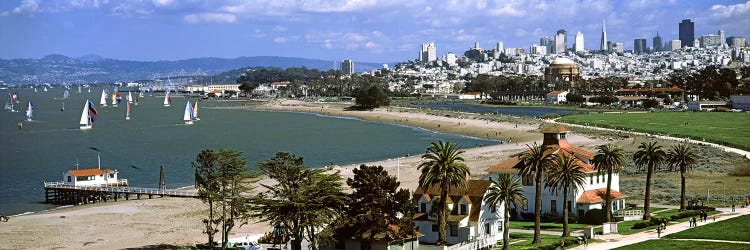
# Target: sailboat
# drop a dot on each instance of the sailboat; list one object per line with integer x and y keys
{"x": 127, "y": 113}
{"x": 79, "y": 89}
{"x": 9, "y": 105}
{"x": 63, "y": 107}
{"x": 29, "y": 111}
{"x": 130, "y": 97}
{"x": 89, "y": 89}
{"x": 167, "y": 99}
{"x": 45, "y": 89}
{"x": 195, "y": 112}
{"x": 188, "y": 116}
{"x": 88, "y": 116}
{"x": 103, "y": 101}
{"x": 136, "y": 101}
{"x": 116, "y": 99}
{"x": 15, "y": 97}
{"x": 66, "y": 94}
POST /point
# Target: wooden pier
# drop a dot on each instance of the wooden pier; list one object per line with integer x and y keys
{"x": 60, "y": 193}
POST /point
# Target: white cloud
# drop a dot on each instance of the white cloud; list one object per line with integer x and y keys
{"x": 355, "y": 37}
{"x": 279, "y": 28}
{"x": 371, "y": 45}
{"x": 163, "y": 2}
{"x": 726, "y": 11}
{"x": 279, "y": 40}
{"x": 210, "y": 18}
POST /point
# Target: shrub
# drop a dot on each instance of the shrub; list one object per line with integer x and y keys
{"x": 550, "y": 217}
{"x": 705, "y": 208}
{"x": 527, "y": 216}
{"x": 551, "y": 116}
{"x": 742, "y": 169}
{"x": 685, "y": 214}
{"x": 593, "y": 217}
{"x": 640, "y": 225}
{"x": 721, "y": 109}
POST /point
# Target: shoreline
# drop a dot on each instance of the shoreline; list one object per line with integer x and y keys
{"x": 177, "y": 221}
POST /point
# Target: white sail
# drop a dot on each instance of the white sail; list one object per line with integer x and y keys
{"x": 29, "y": 111}
{"x": 114, "y": 99}
{"x": 79, "y": 89}
{"x": 167, "y": 101}
{"x": 195, "y": 112}
{"x": 188, "y": 116}
{"x": 103, "y": 101}
{"x": 130, "y": 97}
{"x": 127, "y": 113}
{"x": 66, "y": 94}
{"x": 85, "y": 120}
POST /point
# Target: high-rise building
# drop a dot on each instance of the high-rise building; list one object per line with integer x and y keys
{"x": 561, "y": 41}
{"x": 428, "y": 53}
{"x": 538, "y": 49}
{"x": 736, "y": 41}
{"x": 604, "y": 46}
{"x": 450, "y": 59}
{"x": 579, "y": 42}
{"x": 639, "y": 46}
{"x": 476, "y": 46}
{"x": 687, "y": 33}
{"x": 347, "y": 66}
{"x": 657, "y": 43}
{"x": 710, "y": 41}
{"x": 721, "y": 37}
{"x": 547, "y": 42}
{"x": 675, "y": 45}
{"x": 499, "y": 48}
{"x": 618, "y": 47}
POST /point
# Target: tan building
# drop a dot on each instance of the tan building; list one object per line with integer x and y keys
{"x": 562, "y": 70}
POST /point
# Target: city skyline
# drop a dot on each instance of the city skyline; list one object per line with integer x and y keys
{"x": 362, "y": 30}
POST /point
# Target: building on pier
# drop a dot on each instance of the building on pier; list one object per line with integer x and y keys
{"x": 93, "y": 177}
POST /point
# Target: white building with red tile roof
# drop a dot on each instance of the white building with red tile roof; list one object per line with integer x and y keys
{"x": 590, "y": 196}
{"x": 556, "y": 97}
{"x": 470, "y": 220}
{"x": 93, "y": 177}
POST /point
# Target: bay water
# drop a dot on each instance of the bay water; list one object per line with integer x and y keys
{"x": 52, "y": 142}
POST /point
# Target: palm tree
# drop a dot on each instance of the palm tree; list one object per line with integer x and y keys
{"x": 651, "y": 156}
{"x": 535, "y": 163}
{"x": 681, "y": 158}
{"x": 443, "y": 166}
{"x": 504, "y": 191}
{"x": 609, "y": 159}
{"x": 564, "y": 174}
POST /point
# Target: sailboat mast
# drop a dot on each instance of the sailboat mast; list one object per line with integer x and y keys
{"x": 99, "y": 160}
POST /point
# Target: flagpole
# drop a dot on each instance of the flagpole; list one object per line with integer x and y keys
{"x": 99, "y": 160}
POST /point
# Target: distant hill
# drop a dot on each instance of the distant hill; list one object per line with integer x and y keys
{"x": 57, "y": 68}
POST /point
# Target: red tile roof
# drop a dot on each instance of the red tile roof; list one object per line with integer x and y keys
{"x": 514, "y": 163}
{"x": 555, "y": 128}
{"x": 596, "y": 196}
{"x": 89, "y": 171}
{"x": 556, "y": 92}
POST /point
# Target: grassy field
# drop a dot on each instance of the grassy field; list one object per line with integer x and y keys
{"x": 721, "y": 127}
{"x": 626, "y": 227}
{"x": 678, "y": 244}
{"x": 735, "y": 229}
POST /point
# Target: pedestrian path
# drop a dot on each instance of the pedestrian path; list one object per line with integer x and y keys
{"x": 741, "y": 152}
{"x": 611, "y": 241}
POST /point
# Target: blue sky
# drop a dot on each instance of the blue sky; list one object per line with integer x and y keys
{"x": 363, "y": 30}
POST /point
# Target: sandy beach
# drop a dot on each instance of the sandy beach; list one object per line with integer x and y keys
{"x": 177, "y": 221}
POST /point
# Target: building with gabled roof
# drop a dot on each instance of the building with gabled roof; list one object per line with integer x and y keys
{"x": 93, "y": 177}
{"x": 470, "y": 219}
{"x": 580, "y": 200}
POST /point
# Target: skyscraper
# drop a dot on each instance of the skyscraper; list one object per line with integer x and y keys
{"x": 428, "y": 53}
{"x": 687, "y": 33}
{"x": 347, "y": 66}
{"x": 603, "y": 44}
{"x": 560, "y": 42}
{"x": 499, "y": 47}
{"x": 579, "y": 42}
{"x": 657, "y": 42}
{"x": 721, "y": 37}
{"x": 639, "y": 46}
{"x": 547, "y": 42}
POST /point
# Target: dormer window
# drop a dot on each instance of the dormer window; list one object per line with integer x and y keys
{"x": 562, "y": 136}
{"x": 462, "y": 209}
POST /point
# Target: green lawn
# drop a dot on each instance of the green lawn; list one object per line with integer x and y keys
{"x": 726, "y": 128}
{"x": 524, "y": 241}
{"x": 529, "y": 225}
{"x": 679, "y": 244}
{"x": 625, "y": 227}
{"x": 735, "y": 229}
